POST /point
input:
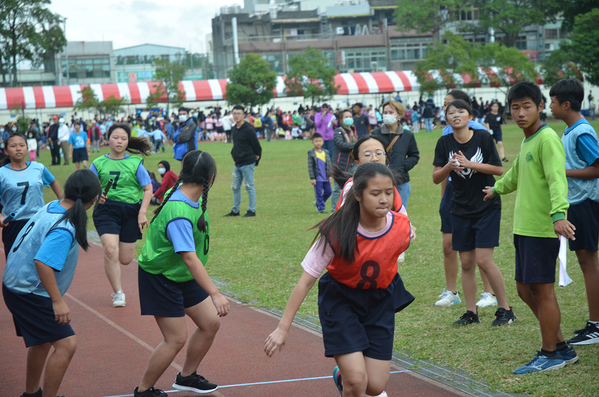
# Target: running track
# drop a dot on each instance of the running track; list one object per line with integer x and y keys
{"x": 114, "y": 346}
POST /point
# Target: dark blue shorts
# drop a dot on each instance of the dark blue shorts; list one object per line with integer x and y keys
{"x": 536, "y": 259}
{"x": 356, "y": 320}
{"x": 10, "y": 233}
{"x": 115, "y": 217}
{"x": 159, "y": 296}
{"x": 80, "y": 155}
{"x": 445, "y": 208}
{"x": 585, "y": 217}
{"x": 497, "y": 134}
{"x": 34, "y": 318}
{"x": 471, "y": 233}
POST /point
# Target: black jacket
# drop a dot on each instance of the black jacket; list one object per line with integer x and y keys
{"x": 404, "y": 155}
{"x": 245, "y": 145}
{"x": 343, "y": 144}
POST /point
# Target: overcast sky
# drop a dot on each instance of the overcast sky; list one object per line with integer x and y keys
{"x": 179, "y": 23}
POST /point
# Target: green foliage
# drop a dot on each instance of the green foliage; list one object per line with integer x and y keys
{"x": 424, "y": 16}
{"x": 251, "y": 82}
{"x": 459, "y": 57}
{"x": 582, "y": 49}
{"x": 89, "y": 100}
{"x": 311, "y": 76}
{"x": 572, "y": 8}
{"x": 510, "y": 17}
{"x": 112, "y": 106}
{"x": 168, "y": 75}
{"x": 559, "y": 66}
{"x": 29, "y": 32}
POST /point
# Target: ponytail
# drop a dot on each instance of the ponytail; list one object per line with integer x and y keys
{"x": 341, "y": 177}
{"x": 82, "y": 187}
{"x": 202, "y": 221}
{"x": 135, "y": 145}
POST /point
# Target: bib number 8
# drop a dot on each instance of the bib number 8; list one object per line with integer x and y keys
{"x": 371, "y": 279}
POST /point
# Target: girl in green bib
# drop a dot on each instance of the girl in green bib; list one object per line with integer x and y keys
{"x": 173, "y": 281}
{"x": 121, "y": 214}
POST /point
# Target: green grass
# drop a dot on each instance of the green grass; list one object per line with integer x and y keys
{"x": 260, "y": 260}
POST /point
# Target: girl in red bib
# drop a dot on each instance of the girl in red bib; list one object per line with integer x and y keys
{"x": 361, "y": 291}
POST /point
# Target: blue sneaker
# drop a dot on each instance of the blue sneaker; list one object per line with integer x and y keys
{"x": 540, "y": 363}
{"x": 569, "y": 355}
{"x": 338, "y": 381}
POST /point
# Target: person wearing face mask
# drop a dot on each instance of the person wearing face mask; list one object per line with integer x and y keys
{"x": 31, "y": 143}
{"x": 325, "y": 125}
{"x": 169, "y": 179}
{"x": 3, "y": 135}
{"x": 186, "y": 136}
{"x": 402, "y": 150}
{"x": 343, "y": 143}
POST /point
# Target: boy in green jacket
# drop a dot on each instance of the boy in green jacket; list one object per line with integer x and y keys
{"x": 539, "y": 177}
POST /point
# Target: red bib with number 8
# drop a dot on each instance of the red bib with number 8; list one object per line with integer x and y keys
{"x": 375, "y": 262}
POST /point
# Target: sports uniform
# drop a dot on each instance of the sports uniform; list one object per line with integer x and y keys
{"x": 166, "y": 286}
{"x": 21, "y": 192}
{"x": 118, "y": 215}
{"x": 54, "y": 245}
{"x": 357, "y": 301}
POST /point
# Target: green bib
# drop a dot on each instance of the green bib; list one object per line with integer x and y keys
{"x": 158, "y": 255}
{"x": 125, "y": 187}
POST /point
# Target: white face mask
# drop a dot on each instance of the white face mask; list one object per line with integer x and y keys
{"x": 14, "y": 128}
{"x": 389, "y": 119}
{"x": 1, "y": 130}
{"x": 182, "y": 117}
{"x": 162, "y": 171}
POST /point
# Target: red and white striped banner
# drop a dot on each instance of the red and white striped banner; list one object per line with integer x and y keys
{"x": 214, "y": 90}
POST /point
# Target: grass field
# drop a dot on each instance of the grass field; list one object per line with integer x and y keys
{"x": 260, "y": 260}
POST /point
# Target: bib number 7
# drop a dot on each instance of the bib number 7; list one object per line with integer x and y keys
{"x": 116, "y": 174}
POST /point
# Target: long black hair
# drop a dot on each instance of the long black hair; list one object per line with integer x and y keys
{"x": 136, "y": 145}
{"x": 83, "y": 186}
{"x": 339, "y": 230}
{"x": 197, "y": 167}
{"x": 340, "y": 176}
{"x": 6, "y": 160}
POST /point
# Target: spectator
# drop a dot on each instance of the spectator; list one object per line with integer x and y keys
{"x": 325, "y": 125}
{"x": 186, "y": 137}
{"x": 94, "y": 134}
{"x": 361, "y": 121}
{"x": 63, "y": 139}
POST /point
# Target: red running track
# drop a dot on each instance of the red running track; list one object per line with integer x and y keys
{"x": 114, "y": 345}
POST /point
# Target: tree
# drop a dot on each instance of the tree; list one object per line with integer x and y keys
{"x": 559, "y": 66}
{"x": 459, "y": 58}
{"x": 582, "y": 48}
{"x": 311, "y": 76}
{"x": 510, "y": 17}
{"x": 112, "y": 106}
{"x": 168, "y": 75}
{"x": 89, "y": 100}
{"x": 572, "y": 8}
{"x": 28, "y": 32}
{"x": 251, "y": 82}
{"x": 199, "y": 61}
{"x": 424, "y": 16}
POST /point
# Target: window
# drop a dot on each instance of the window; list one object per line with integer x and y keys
{"x": 87, "y": 68}
{"x": 521, "y": 43}
{"x": 551, "y": 34}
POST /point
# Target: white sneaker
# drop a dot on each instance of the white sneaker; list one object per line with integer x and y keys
{"x": 383, "y": 394}
{"x": 118, "y": 299}
{"x": 448, "y": 298}
{"x": 488, "y": 299}
{"x": 401, "y": 259}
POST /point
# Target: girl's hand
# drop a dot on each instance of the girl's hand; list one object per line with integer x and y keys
{"x": 2, "y": 224}
{"x": 221, "y": 303}
{"x": 102, "y": 199}
{"x": 413, "y": 233}
{"x": 61, "y": 312}
{"x": 142, "y": 221}
{"x": 275, "y": 341}
{"x": 488, "y": 191}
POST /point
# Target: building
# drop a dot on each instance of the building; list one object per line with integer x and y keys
{"x": 356, "y": 36}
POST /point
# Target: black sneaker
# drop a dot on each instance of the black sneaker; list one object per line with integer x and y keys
{"x": 587, "y": 336}
{"x": 151, "y": 392}
{"x": 195, "y": 383}
{"x": 505, "y": 160}
{"x": 503, "y": 317}
{"x": 249, "y": 214}
{"x": 36, "y": 394}
{"x": 232, "y": 214}
{"x": 468, "y": 318}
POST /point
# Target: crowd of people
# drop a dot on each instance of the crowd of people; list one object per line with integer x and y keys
{"x": 361, "y": 158}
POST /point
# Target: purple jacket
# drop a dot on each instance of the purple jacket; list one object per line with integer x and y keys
{"x": 322, "y": 126}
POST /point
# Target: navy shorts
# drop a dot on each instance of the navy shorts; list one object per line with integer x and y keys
{"x": 159, "y": 296}
{"x": 80, "y": 155}
{"x": 115, "y": 217}
{"x": 445, "y": 208}
{"x": 356, "y": 320}
{"x": 536, "y": 259}
{"x": 34, "y": 318}
{"x": 585, "y": 217}
{"x": 497, "y": 134}
{"x": 471, "y": 233}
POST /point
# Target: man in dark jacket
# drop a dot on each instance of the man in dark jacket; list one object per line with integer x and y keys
{"x": 246, "y": 154}
{"x": 53, "y": 141}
